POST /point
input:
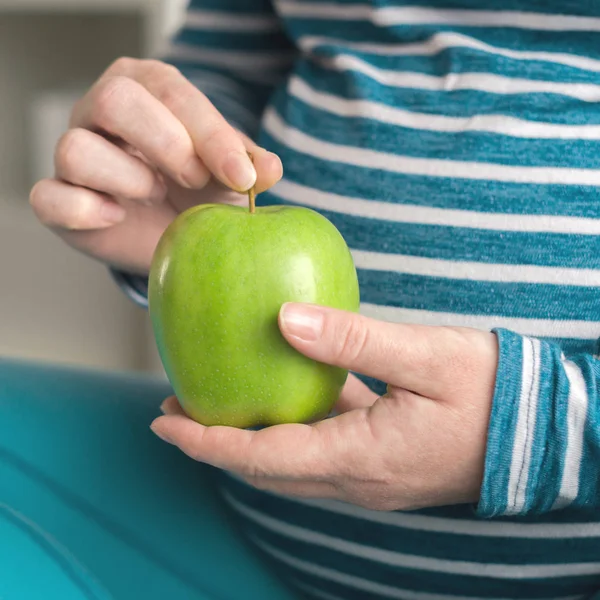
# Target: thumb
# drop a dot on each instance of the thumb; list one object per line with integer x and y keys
{"x": 426, "y": 360}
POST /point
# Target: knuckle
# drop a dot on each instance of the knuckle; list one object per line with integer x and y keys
{"x": 351, "y": 340}
{"x": 140, "y": 190}
{"x": 158, "y": 68}
{"x": 176, "y": 150}
{"x": 167, "y": 83}
{"x": 36, "y": 195}
{"x": 153, "y": 72}
{"x": 123, "y": 64}
{"x": 112, "y": 96}
{"x": 68, "y": 151}
{"x": 170, "y": 70}
{"x": 174, "y": 97}
{"x": 214, "y": 129}
{"x": 140, "y": 187}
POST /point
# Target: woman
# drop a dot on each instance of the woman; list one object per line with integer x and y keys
{"x": 455, "y": 146}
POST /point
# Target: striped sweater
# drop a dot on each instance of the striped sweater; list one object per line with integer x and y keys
{"x": 456, "y": 146}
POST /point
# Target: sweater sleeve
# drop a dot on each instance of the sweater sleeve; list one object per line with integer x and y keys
{"x": 236, "y": 52}
{"x": 135, "y": 287}
{"x": 543, "y": 451}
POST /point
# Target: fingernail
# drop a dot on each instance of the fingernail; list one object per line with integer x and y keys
{"x": 112, "y": 213}
{"x": 195, "y": 175}
{"x": 165, "y": 408}
{"x": 161, "y": 434}
{"x": 302, "y": 321}
{"x": 239, "y": 171}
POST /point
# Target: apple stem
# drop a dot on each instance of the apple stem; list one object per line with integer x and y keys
{"x": 252, "y": 199}
{"x": 251, "y": 191}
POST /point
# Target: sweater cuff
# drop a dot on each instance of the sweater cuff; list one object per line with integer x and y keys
{"x": 135, "y": 287}
{"x": 543, "y": 438}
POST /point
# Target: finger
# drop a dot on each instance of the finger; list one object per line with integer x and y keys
{"x": 215, "y": 141}
{"x": 355, "y": 395}
{"x": 268, "y": 167}
{"x": 130, "y": 245}
{"x": 61, "y": 205}
{"x": 123, "y": 108}
{"x": 171, "y": 406}
{"x": 87, "y": 159}
{"x": 267, "y": 164}
{"x": 291, "y": 451}
{"x": 430, "y": 361}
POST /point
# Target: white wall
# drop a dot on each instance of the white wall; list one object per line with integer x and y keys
{"x": 58, "y": 305}
{"x": 55, "y": 304}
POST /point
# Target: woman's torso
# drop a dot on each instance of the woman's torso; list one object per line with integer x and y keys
{"x": 461, "y": 162}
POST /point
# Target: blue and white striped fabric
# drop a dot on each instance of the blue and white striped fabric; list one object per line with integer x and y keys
{"x": 456, "y": 145}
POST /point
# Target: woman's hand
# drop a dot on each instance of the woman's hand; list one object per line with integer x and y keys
{"x": 143, "y": 145}
{"x": 421, "y": 444}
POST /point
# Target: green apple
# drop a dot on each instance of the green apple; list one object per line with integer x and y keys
{"x": 218, "y": 279}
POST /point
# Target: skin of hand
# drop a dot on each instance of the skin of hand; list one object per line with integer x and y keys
{"x": 143, "y": 145}
{"x": 422, "y": 444}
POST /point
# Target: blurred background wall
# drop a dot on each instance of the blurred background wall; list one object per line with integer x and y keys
{"x": 57, "y": 305}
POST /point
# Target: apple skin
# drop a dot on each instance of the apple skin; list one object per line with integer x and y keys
{"x": 218, "y": 279}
